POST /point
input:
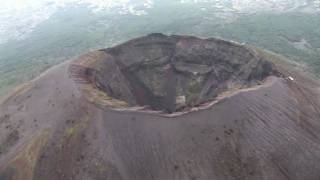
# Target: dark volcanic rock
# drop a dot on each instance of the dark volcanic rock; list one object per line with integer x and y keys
{"x": 170, "y": 73}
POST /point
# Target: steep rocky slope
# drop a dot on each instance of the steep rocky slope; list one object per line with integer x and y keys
{"x": 67, "y": 124}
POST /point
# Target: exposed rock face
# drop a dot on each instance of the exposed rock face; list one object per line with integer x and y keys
{"x": 170, "y": 73}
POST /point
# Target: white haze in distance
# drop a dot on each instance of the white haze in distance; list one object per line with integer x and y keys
{"x": 18, "y": 18}
{"x": 23, "y": 4}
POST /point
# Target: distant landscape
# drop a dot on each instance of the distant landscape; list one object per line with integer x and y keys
{"x": 287, "y": 27}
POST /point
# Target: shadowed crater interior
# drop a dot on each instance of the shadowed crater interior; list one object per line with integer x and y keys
{"x": 171, "y": 73}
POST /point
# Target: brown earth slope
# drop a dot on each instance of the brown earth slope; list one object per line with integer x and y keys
{"x": 261, "y": 119}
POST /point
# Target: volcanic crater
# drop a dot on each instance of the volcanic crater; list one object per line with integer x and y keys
{"x": 82, "y": 119}
{"x": 170, "y": 73}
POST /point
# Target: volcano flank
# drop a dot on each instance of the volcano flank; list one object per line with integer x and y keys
{"x": 164, "y": 107}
